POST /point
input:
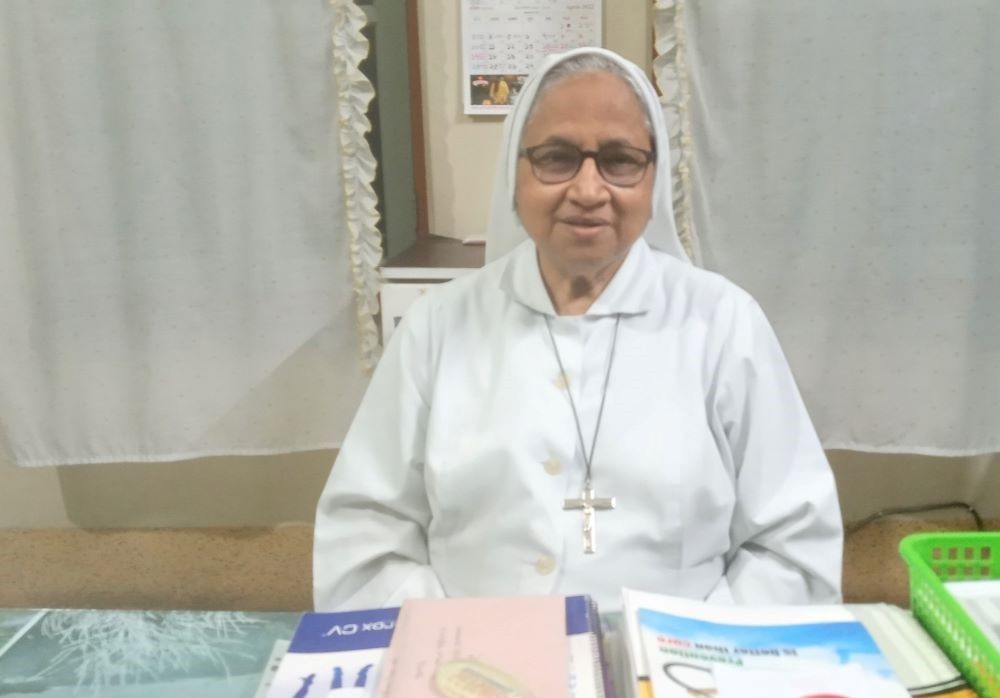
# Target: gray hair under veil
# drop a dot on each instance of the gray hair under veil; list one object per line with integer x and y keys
{"x": 504, "y": 231}
{"x": 588, "y": 63}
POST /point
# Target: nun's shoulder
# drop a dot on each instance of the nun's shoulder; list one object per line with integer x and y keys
{"x": 701, "y": 286}
{"x": 466, "y": 293}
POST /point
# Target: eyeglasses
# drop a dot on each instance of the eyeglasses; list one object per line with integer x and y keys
{"x": 620, "y": 165}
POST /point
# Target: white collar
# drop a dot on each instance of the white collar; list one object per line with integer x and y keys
{"x": 630, "y": 291}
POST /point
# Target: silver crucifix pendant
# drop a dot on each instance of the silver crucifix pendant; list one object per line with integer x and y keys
{"x": 589, "y": 503}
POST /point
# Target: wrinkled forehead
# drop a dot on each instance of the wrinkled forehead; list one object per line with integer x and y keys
{"x": 555, "y": 79}
{"x": 550, "y": 100}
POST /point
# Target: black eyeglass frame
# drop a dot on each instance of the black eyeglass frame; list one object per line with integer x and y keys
{"x": 648, "y": 155}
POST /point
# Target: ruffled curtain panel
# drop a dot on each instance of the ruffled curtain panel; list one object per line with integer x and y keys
{"x": 840, "y": 161}
{"x": 187, "y": 228}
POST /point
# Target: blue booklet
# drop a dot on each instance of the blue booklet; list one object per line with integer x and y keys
{"x": 338, "y": 655}
{"x": 335, "y": 654}
{"x": 688, "y": 647}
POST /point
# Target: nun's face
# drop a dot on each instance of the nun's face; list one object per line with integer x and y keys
{"x": 584, "y": 226}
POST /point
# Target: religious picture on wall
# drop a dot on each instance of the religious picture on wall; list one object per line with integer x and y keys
{"x": 495, "y": 90}
{"x": 503, "y": 40}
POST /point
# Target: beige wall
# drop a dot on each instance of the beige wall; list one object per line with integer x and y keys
{"x": 870, "y": 482}
{"x": 207, "y": 492}
{"x": 461, "y": 150}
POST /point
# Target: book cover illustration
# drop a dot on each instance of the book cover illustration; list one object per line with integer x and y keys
{"x": 686, "y": 653}
{"x": 513, "y": 647}
{"x": 62, "y": 653}
{"x": 335, "y": 655}
{"x": 338, "y": 655}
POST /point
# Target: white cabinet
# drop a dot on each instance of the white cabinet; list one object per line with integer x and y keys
{"x": 406, "y": 276}
{"x": 395, "y": 297}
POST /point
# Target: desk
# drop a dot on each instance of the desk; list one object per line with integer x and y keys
{"x": 137, "y": 654}
{"x": 203, "y": 654}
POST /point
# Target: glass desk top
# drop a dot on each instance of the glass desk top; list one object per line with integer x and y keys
{"x": 131, "y": 654}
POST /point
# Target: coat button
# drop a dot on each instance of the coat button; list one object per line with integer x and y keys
{"x": 552, "y": 465}
{"x": 545, "y": 565}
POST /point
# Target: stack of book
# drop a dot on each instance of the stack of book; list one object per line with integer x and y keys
{"x": 980, "y": 599}
{"x": 677, "y": 648}
{"x": 515, "y": 647}
{"x": 657, "y": 647}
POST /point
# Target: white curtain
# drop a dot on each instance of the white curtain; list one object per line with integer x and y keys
{"x": 840, "y": 160}
{"x": 187, "y": 241}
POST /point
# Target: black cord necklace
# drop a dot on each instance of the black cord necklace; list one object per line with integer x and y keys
{"x": 588, "y": 502}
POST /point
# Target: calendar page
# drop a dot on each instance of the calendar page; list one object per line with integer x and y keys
{"x": 503, "y": 40}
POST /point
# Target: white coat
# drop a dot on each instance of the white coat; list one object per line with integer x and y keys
{"x": 452, "y": 478}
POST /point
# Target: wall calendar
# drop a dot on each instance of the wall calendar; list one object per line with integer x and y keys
{"x": 503, "y": 40}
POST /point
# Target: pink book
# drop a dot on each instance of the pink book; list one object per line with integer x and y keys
{"x": 509, "y": 647}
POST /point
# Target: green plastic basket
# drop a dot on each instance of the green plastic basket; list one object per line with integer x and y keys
{"x": 934, "y": 558}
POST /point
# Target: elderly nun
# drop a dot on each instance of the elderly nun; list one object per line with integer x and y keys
{"x": 589, "y": 410}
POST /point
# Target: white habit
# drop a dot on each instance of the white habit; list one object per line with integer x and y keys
{"x": 452, "y": 478}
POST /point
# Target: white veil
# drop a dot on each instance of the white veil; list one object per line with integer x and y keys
{"x": 504, "y": 231}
